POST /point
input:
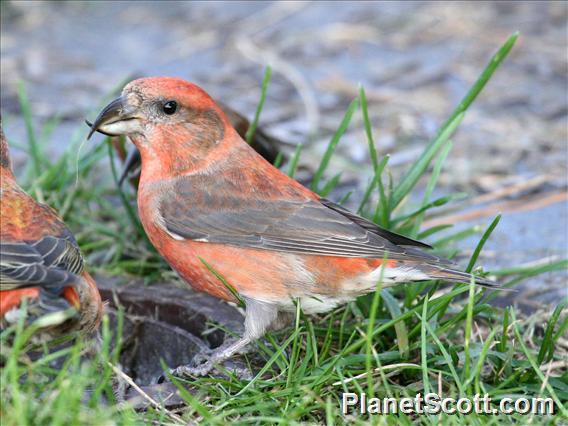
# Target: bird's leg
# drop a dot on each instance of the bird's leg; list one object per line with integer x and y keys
{"x": 226, "y": 346}
{"x": 259, "y": 318}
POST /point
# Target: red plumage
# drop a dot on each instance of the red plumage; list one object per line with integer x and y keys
{"x": 206, "y": 195}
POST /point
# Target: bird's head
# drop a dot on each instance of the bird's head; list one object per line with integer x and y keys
{"x": 165, "y": 116}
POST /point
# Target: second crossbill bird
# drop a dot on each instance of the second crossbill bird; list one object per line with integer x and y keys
{"x": 207, "y": 198}
{"x": 40, "y": 260}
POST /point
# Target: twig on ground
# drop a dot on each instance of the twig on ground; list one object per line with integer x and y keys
{"x": 144, "y": 395}
{"x": 378, "y": 369}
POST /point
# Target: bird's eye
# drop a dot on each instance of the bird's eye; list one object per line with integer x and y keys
{"x": 170, "y": 107}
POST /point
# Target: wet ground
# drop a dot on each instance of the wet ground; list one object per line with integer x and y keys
{"x": 416, "y": 61}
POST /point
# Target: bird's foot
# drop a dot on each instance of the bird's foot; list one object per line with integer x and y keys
{"x": 194, "y": 369}
{"x": 207, "y": 366}
{"x": 200, "y": 358}
{"x": 204, "y": 362}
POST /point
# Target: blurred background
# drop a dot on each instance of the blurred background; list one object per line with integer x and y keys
{"x": 415, "y": 60}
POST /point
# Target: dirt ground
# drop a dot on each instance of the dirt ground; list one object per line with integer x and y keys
{"x": 415, "y": 60}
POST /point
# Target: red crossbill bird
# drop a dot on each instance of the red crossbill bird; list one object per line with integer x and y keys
{"x": 207, "y": 201}
{"x": 41, "y": 261}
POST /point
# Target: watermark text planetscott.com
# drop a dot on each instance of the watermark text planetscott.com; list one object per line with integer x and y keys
{"x": 432, "y": 403}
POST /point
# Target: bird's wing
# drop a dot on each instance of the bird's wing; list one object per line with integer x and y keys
{"x": 373, "y": 227}
{"x": 297, "y": 226}
{"x": 50, "y": 262}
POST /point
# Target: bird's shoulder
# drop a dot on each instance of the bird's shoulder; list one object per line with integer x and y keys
{"x": 35, "y": 245}
{"x": 23, "y": 218}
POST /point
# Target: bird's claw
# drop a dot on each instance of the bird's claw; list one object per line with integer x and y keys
{"x": 201, "y": 358}
{"x": 200, "y": 365}
{"x": 205, "y": 361}
{"x": 203, "y": 365}
{"x": 199, "y": 370}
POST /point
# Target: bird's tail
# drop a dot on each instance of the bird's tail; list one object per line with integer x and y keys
{"x": 447, "y": 274}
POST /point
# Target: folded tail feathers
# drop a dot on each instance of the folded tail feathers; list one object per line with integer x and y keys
{"x": 438, "y": 272}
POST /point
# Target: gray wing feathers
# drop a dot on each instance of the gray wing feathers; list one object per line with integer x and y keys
{"x": 373, "y": 227}
{"x": 302, "y": 227}
{"x": 50, "y": 262}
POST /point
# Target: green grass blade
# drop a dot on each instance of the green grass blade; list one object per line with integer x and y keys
{"x": 429, "y": 205}
{"x": 278, "y": 160}
{"x": 537, "y": 371}
{"x": 449, "y": 127}
{"x": 546, "y": 351}
{"x": 502, "y": 346}
{"x": 191, "y": 400}
{"x": 295, "y": 345}
{"x": 481, "y": 243}
{"x": 127, "y": 206}
{"x": 280, "y": 350}
{"x": 419, "y": 167}
{"x": 382, "y": 209}
{"x": 369, "y": 336}
{"x": 333, "y": 144}
{"x": 424, "y": 347}
{"x": 445, "y": 354}
{"x": 468, "y": 329}
{"x": 345, "y": 198}
{"x": 531, "y": 270}
{"x": 408, "y": 314}
{"x": 252, "y": 128}
{"x": 400, "y": 327}
{"x": 34, "y": 147}
{"x": 330, "y": 185}
{"x": 457, "y": 236}
{"x": 293, "y": 166}
{"x": 232, "y": 290}
{"x": 432, "y": 184}
{"x": 374, "y": 182}
{"x": 368, "y": 129}
{"x": 476, "y": 373}
{"x": 382, "y": 212}
{"x": 433, "y": 230}
{"x": 485, "y": 76}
